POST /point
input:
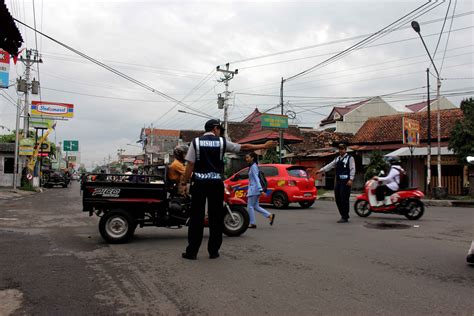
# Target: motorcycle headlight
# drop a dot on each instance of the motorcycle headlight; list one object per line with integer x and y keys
{"x": 227, "y": 190}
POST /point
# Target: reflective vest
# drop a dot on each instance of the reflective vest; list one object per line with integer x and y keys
{"x": 209, "y": 164}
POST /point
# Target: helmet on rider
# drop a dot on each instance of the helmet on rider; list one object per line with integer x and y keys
{"x": 392, "y": 160}
{"x": 180, "y": 152}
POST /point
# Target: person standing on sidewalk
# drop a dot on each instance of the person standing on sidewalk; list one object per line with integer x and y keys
{"x": 254, "y": 191}
{"x": 205, "y": 159}
{"x": 345, "y": 172}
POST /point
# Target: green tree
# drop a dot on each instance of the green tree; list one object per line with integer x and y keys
{"x": 461, "y": 139}
{"x": 7, "y": 138}
{"x": 271, "y": 156}
{"x": 375, "y": 166}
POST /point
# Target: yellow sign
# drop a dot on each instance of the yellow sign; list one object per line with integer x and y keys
{"x": 26, "y": 150}
{"x": 411, "y": 132}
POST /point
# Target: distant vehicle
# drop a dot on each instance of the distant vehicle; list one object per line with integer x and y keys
{"x": 286, "y": 184}
{"x": 56, "y": 178}
{"x": 75, "y": 176}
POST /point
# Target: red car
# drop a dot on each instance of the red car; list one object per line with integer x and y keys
{"x": 286, "y": 184}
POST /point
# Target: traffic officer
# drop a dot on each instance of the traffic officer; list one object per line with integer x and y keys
{"x": 345, "y": 172}
{"x": 205, "y": 159}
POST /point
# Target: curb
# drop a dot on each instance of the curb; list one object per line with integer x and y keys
{"x": 439, "y": 203}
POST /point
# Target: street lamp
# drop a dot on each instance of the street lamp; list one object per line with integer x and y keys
{"x": 439, "y": 191}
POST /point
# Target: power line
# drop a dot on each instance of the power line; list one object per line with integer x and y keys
{"x": 118, "y": 73}
{"x": 359, "y": 44}
{"x": 334, "y": 42}
{"x": 442, "y": 29}
{"x": 449, "y": 35}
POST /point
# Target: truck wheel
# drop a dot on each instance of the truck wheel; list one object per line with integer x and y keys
{"x": 280, "y": 200}
{"x": 415, "y": 210}
{"x": 116, "y": 226}
{"x": 362, "y": 209}
{"x": 238, "y": 224}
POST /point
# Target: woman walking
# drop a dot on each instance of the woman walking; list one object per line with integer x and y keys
{"x": 254, "y": 191}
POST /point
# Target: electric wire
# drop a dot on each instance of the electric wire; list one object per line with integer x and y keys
{"x": 442, "y": 29}
{"x": 351, "y": 48}
{"x": 118, "y": 73}
{"x": 334, "y": 42}
{"x": 449, "y": 35}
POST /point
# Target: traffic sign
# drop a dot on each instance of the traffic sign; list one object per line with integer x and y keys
{"x": 71, "y": 145}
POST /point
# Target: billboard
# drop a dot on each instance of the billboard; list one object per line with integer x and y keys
{"x": 52, "y": 109}
{"x": 40, "y": 123}
{"x": 4, "y": 68}
{"x": 411, "y": 132}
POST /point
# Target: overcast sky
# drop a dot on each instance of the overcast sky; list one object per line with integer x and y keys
{"x": 175, "y": 46}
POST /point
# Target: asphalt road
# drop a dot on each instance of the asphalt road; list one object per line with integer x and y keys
{"x": 54, "y": 262}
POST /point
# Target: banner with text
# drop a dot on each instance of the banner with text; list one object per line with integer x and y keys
{"x": 4, "y": 68}
{"x": 52, "y": 109}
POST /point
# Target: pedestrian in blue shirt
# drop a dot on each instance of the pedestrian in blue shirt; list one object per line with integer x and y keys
{"x": 254, "y": 191}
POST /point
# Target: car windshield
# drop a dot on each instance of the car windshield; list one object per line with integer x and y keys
{"x": 299, "y": 173}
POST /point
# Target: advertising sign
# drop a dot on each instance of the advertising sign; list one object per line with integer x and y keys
{"x": 71, "y": 145}
{"x": 411, "y": 132}
{"x": 25, "y": 150}
{"x": 52, "y": 109}
{"x": 274, "y": 121}
{"x": 41, "y": 123}
{"x": 4, "y": 68}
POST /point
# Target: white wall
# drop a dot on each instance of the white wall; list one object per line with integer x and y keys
{"x": 356, "y": 118}
{"x": 6, "y": 180}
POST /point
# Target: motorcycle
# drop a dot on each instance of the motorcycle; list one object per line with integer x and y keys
{"x": 404, "y": 202}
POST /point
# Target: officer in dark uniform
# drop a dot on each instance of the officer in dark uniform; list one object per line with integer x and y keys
{"x": 345, "y": 172}
{"x": 205, "y": 159}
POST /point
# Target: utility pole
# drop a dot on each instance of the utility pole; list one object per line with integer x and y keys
{"x": 32, "y": 57}
{"x": 24, "y": 85}
{"x": 428, "y": 154}
{"x": 281, "y": 130}
{"x": 228, "y": 75}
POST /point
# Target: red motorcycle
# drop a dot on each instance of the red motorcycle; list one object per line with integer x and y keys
{"x": 405, "y": 202}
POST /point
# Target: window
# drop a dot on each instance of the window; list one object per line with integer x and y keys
{"x": 298, "y": 173}
{"x": 269, "y": 171}
{"x": 8, "y": 165}
{"x": 244, "y": 174}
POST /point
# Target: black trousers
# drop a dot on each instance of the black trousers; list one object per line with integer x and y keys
{"x": 342, "y": 193}
{"x": 213, "y": 192}
{"x": 382, "y": 191}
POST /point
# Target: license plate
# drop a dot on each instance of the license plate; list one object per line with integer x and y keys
{"x": 307, "y": 195}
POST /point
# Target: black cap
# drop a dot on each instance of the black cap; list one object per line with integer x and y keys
{"x": 209, "y": 126}
{"x": 342, "y": 145}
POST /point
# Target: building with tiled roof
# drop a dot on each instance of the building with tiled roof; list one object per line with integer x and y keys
{"x": 444, "y": 104}
{"x": 385, "y": 134}
{"x": 388, "y": 129}
{"x": 349, "y": 118}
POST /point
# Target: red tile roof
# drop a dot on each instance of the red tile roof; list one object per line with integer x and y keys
{"x": 386, "y": 129}
{"x": 264, "y": 135}
{"x": 162, "y": 132}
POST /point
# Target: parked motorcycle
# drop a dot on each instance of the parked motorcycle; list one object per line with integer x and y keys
{"x": 404, "y": 202}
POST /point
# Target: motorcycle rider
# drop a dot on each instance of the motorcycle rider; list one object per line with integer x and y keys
{"x": 391, "y": 183}
{"x": 176, "y": 168}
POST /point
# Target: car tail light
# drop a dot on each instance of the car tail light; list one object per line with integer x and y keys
{"x": 291, "y": 183}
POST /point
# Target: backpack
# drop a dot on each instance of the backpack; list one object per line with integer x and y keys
{"x": 403, "y": 184}
{"x": 263, "y": 181}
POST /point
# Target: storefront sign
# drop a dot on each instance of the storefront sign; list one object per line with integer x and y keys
{"x": 4, "y": 68}
{"x": 40, "y": 123}
{"x": 411, "y": 132}
{"x": 274, "y": 121}
{"x": 52, "y": 109}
